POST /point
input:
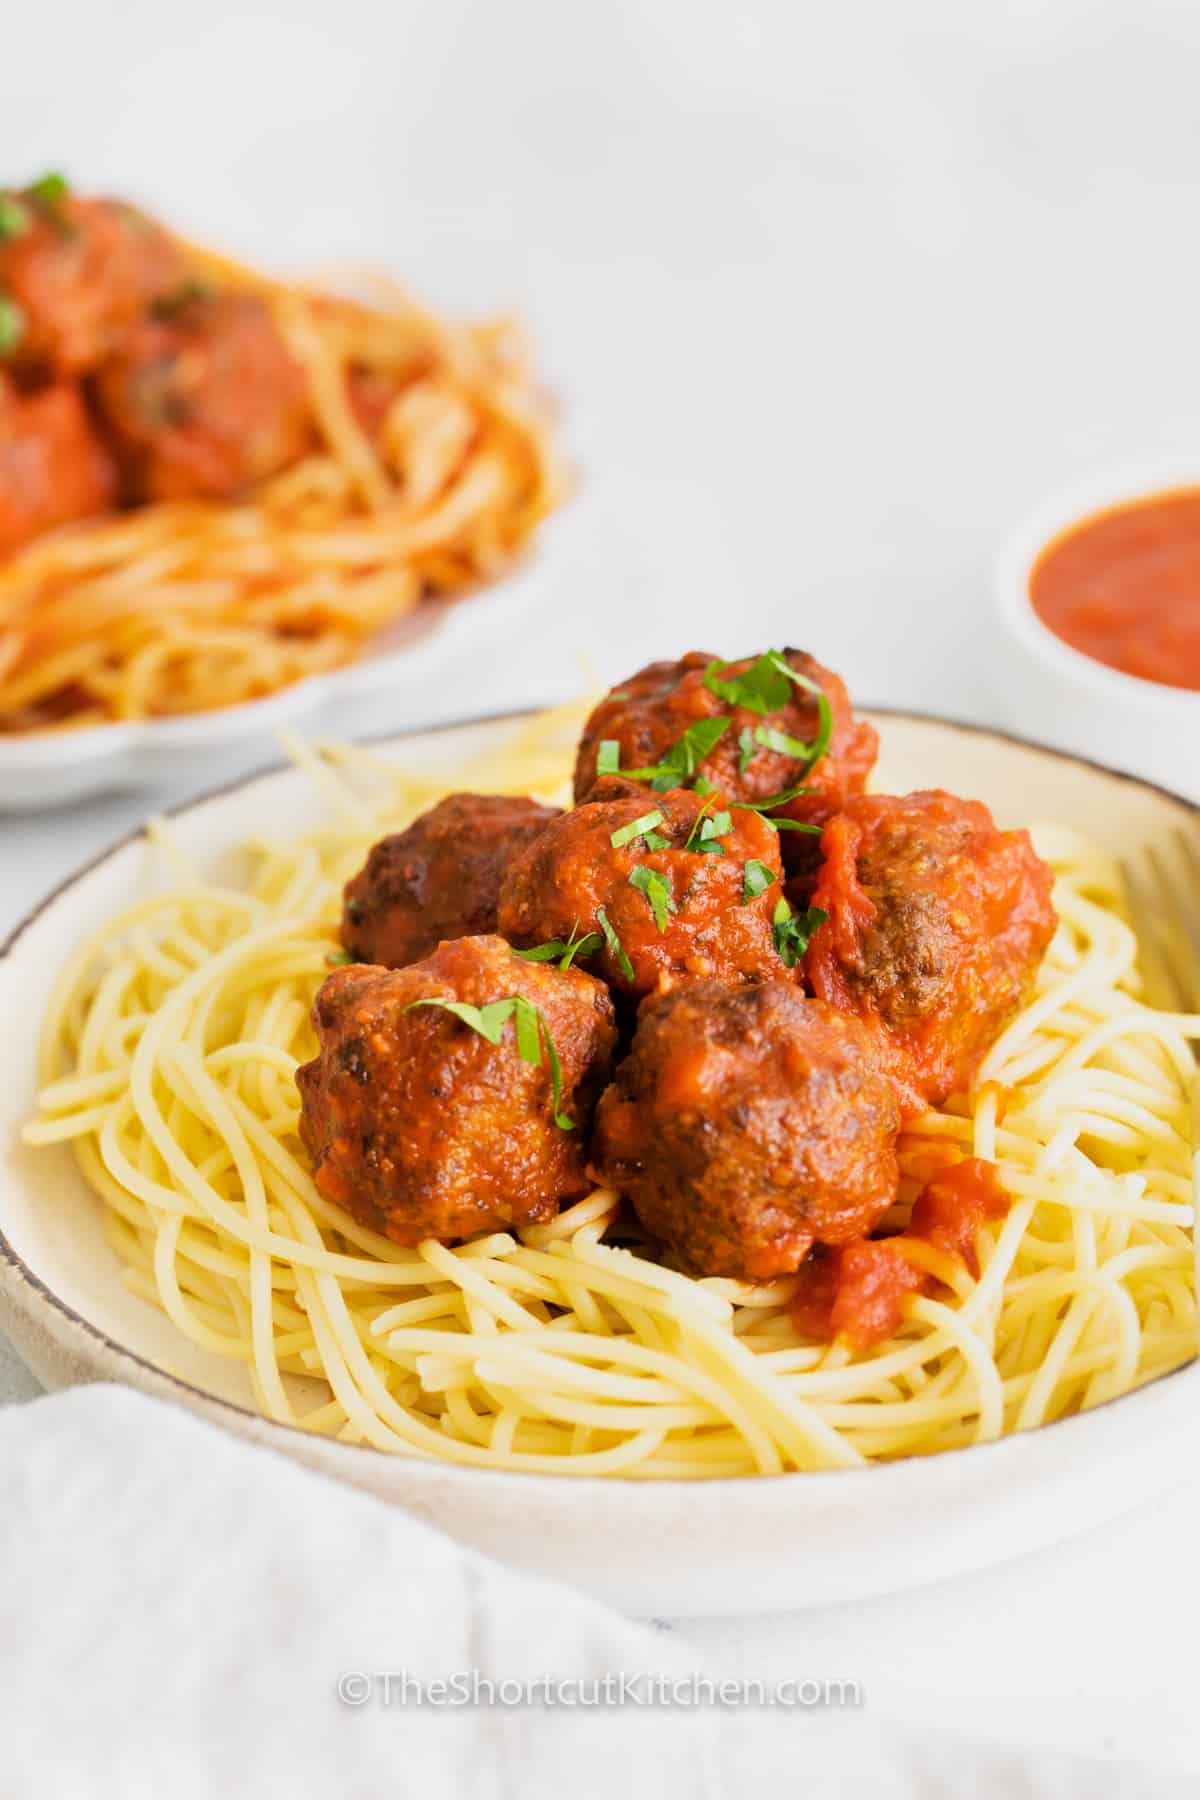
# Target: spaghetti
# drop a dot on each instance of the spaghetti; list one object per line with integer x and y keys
{"x": 168, "y": 1062}
{"x": 181, "y": 606}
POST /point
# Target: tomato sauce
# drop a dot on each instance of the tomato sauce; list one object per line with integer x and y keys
{"x": 935, "y": 926}
{"x": 1124, "y": 588}
{"x": 859, "y": 1291}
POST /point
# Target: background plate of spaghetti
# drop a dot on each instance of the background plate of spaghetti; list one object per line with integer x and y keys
{"x": 226, "y": 497}
{"x": 556, "y": 1398}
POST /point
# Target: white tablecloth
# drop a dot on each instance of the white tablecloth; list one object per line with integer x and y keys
{"x": 831, "y": 295}
{"x": 183, "y": 1614}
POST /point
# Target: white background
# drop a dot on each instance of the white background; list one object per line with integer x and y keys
{"x": 831, "y": 294}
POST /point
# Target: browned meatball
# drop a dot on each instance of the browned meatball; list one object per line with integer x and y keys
{"x": 649, "y": 714}
{"x": 440, "y": 879}
{"x": 421, "y": 1127}
{"x": 77, "y": 272}
{"x": 665, "y": 901}
{"x": 53, "y": 467}
{"x": 747, "y": 1124}
{"x": 205, "y": 401}
{"x": 937, "y": 922}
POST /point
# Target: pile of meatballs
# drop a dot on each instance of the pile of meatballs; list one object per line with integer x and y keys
{"x": 126, "y": 377}
{"x": 751, "y": 973}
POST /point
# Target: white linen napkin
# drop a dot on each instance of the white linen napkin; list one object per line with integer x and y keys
{"x": 183, "y": 1614}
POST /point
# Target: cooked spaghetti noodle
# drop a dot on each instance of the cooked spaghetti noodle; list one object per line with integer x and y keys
{"x": 181, "y": 606}
{"x": 168, "y": 1061}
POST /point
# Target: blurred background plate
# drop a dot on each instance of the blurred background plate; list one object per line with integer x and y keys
{"x": 395, "y": 680}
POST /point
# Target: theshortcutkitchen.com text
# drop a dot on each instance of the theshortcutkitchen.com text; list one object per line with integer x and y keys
{"x": 615, "y": 1688}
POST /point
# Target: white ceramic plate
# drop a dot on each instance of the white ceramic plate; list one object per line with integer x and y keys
{"x": 54, "y": 768}
{"x": 675, "y": 1548}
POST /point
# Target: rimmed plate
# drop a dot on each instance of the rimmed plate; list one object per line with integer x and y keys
{"x": 53, "y": 768}
{"x": 727, "y": 1546}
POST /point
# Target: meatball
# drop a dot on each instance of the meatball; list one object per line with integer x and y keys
{"x": 936, "y": 925}
{"x": 53, "y": 467}
{"x": 439, "y": 879}
{"x": 419, "y": 1125}
{"x": 205, "y": 401}
{"x": 691, "y": 891}
{"x": 747, "y": 1124}
{"x": 649, "y": 713}
{"x": 78, "y": 271}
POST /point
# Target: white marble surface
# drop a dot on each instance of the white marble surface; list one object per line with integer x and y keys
{"x": 831, "y": 295}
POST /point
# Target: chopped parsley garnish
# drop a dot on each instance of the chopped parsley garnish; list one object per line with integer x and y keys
{"x": 12, "y": 325}
{"x": 529, "y": 1038}
{"x": 169, "y": 306}
{"x": 14, "y": 217}
{"x": 679, "y": 764}
{"x": 531, "y": 1030}
{"x": 48, "y": 195}
{"x": 770, "y": 739}
{"x": 636, "y": 829}
{"x": 747, "y": 749}
{"x": 566, "y": 950}
{"x": 698, "y": 822}
{"x": 712, "y": 830}
{"x": 764, "y": 688}
{"x": 49, "y": 189}
{"x": 772, "y": 801}
{"x": 756, "y": 879}
{"x": 707, "y": 828}
{"x": 793, "y": 930}
{"x": 354, "y": 911}
{"x": 656, "y": 841}
{"x": 338, "y": 959}
{"x": 657, "y": 891}
{"x": 615, "y": 946}
{"x": 547, "y": 952}
{"x": 489, "y": 1021}
{"x": 768, "y": 806}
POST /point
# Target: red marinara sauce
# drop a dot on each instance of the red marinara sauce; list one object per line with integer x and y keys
{"x": 1124, "y": 588}
{"x": 859, "y": 1291}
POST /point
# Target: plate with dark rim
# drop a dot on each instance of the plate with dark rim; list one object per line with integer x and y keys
{"x": 722, "y": 1546}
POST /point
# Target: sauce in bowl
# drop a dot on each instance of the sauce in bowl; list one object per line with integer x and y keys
{"x": 1123, "y": 587}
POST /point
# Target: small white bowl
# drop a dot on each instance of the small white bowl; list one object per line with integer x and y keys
{"x": 1144, "y": 726}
